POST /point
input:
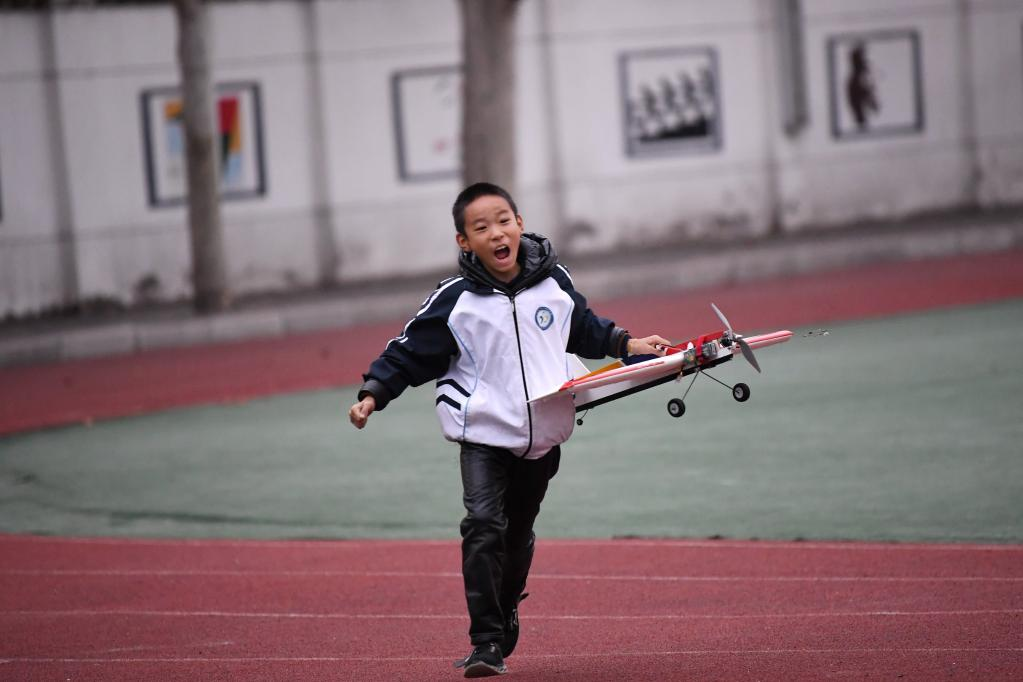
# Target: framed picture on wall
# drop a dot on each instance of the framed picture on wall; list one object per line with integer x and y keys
{"x": 875, "y": 84}
{"x": 427, "y": 109}
{"x": 670, "y": 100}
{"x": 239, "y": 129}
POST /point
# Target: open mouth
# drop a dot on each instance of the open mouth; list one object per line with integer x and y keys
{"x": 502, "y": 253}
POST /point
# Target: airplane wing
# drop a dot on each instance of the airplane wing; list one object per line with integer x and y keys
{"x": 763, "y": 340}
{"x": 618, "y": 380}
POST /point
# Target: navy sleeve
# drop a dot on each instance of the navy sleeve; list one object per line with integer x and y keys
{"x": 591, "y": 336}
{"x": 421, "y": 353}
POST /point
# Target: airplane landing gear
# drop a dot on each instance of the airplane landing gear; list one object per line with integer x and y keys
{"x": 676, "y": 408}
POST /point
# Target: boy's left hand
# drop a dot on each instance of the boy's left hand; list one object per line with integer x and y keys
{"x": 649, "y": 345}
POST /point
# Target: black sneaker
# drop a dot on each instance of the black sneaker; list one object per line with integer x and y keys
{"x": 485, "y": 660}
{"x": 511, "y": 628}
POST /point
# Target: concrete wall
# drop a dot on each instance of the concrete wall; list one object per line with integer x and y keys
{"x": 971, "y": 107}
{"x": 76, "y": 219}
{"x": 31, "y": 216}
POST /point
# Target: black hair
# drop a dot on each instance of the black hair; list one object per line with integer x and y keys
{"x": 471, "y": 194}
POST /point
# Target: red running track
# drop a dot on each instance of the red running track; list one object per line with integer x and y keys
{"x": 85, "y": 390}
{"x": 98, "y": 609}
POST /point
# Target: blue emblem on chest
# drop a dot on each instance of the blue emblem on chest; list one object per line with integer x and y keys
{"x": 544, "y": 317}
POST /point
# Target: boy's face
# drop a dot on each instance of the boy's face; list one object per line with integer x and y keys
{"x": 492, "y": 232}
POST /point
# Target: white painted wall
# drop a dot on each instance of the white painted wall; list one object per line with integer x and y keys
{"x": 30, "y": 264}
{"x": 72, "y": 156}
{"x": 650, "y": 199}
{"x": 996, "y": 50}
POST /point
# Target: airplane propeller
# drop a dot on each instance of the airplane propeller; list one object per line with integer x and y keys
{"x": 744, "y": 347}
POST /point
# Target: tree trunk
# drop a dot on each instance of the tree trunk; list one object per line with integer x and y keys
{"x": 488, "y": 101}
{"x": 209, "y": 280}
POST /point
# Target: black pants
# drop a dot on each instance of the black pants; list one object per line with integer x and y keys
{"x": 502, "y": 495}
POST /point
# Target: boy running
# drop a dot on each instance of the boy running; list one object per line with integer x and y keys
{"x": 492, "y": 338}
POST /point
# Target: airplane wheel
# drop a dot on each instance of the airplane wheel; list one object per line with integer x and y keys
{"x": 676, "y": 408}
{"x": 740, "y": 392}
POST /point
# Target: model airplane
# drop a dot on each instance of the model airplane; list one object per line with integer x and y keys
{"x": 694, "y": 356}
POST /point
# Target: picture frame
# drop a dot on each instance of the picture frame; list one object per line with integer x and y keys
{"x": 426, "y": 104}
{"x": 239, "y": 126}
{"x": 875, "y": 84}
{"x": 671, "y": 101}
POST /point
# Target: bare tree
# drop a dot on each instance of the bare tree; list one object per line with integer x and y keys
{"x": 488, "y": 102}
{"x": 209, "y": 279}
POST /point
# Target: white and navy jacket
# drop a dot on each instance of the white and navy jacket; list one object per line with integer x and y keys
{"x": 493, "y": 346}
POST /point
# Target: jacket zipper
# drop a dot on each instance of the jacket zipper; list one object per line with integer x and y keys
{"x": 522, "y": 366}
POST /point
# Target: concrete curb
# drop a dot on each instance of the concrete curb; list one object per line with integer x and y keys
{"x": 789, "y": 257}
{"x": 598, "y": 277}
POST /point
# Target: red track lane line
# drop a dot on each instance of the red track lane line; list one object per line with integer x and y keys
{"x": 989, "y": 665}
{"x": 617, "y": 557}
{"x": 769, "y": 616}
{"x": 319, "y": 596}
{"x": 154, "y": 573}
{"x": 86, "y": 613}
{"x": 362, "y": 544}
{"x": 776, "y": 544}
{"x": 173, "y": 546}
{"x": 859, "y": 293}
{"x": 269, "y": 638}
{"x": 518, "y": 657}
{"x": 83, "y": 390}
{"x": 292, "y": 635}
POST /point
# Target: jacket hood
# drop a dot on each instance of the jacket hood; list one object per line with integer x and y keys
{"x": 536, "y": 258}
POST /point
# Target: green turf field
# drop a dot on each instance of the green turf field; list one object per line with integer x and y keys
{"x": 907, "y": 428}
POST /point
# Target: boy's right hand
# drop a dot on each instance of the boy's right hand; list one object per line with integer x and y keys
{"x": 360, "y": 411}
